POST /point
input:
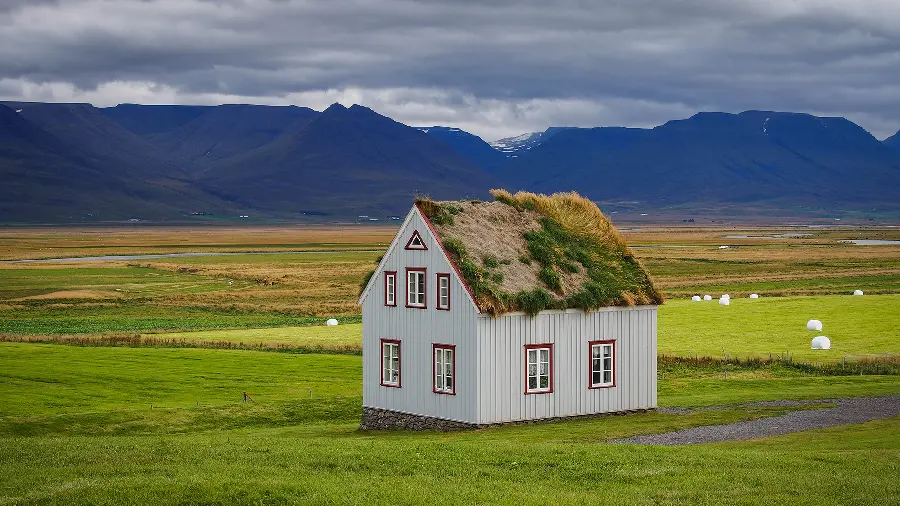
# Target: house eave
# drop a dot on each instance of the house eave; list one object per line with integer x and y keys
{"x": 572, "y": 311}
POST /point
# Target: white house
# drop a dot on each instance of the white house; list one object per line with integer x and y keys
{"x": 491, "y": 312}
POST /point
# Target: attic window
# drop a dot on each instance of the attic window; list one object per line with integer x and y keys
{"x": 415, "y": 282}
{"x": 390, "y": 288}
{"x": 443, "y": 294}
{"x": 416, "y": 242}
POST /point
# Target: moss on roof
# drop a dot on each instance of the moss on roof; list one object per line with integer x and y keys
{"x": 529, "y": 252}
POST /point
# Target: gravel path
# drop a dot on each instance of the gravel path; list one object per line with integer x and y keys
{"x": 847, "y": 411}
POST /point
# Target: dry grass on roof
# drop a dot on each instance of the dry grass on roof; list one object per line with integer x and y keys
{"x": 574, "y": 212}
{"x": 494, "y": 230}
{"x": 533, "y": 252}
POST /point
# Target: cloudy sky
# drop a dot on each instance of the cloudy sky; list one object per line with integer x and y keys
{"x": 493, "y": 67}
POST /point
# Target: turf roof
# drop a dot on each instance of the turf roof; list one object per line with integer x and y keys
{"x": 528, "y": 252}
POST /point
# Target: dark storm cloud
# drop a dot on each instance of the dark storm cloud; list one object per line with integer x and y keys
{"x": 832, "y": 57}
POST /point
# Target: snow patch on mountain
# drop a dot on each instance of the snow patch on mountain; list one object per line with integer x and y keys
{"x": 438, "y": 129}
{"x": 511, "y": 145}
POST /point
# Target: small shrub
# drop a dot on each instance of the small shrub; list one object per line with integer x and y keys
{"x": 568, "y": 267}
{"x": 507, "y": 198}
{"x": 471, "y": 272}
{"x": 455, "y": 247}
{"x": 534, "y": 301}
{"x": 550, "y": 278}
{"x": 439, "y": 214}
{"x": 497, "y": 277}
{"x": 427, "y": 206}
{"x": 505, "y": 261}
{"x": 525, "y": 260}
{"x": 490, "y": 262}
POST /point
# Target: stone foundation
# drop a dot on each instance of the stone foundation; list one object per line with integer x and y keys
{"x": 380, "y": 419}
{"x": 383, "y": 419}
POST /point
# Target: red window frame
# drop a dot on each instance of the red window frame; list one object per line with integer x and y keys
{"x": 409, "y": 245}
{"x": 591, "y": 345}
{"x": 399, "y": 363}
{"x": 550, "y": 358}
{"x": 386, "y": 274}
{"x": 437, "y": 303}
{"x": 424, "y": 272}
{"x": 452, "y": 348}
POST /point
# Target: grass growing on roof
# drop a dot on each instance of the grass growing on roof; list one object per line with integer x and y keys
{"x": 573, "y": 212}
{"x": 578, "y": 258}
{"x": 438, "y": 213}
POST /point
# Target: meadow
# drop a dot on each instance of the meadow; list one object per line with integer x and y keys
{"x": 168, "y": 426}
{"x": 145, "y": 404}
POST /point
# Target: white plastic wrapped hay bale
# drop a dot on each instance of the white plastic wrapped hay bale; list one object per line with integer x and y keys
{"x": 707, "y": 297}
{"x": 695, "y": 298}
{"x": 857, "y": 292}
{"x": 754, "y": 295}
{"x": 814, "y": 325}
{"x": 724, "y": 301}
{"x": 821, "y": 343}
{"x": 725, "y": 296}
{"x": 331, "y": 322}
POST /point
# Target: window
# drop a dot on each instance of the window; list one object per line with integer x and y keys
{"x": 444, "y": 369}
{"x": 416, "y": 242}
{"x": 415, "y": 283}
{"x": 443, "y": 295}
{"x": 390, "y": 363}
{"x": 603, "y": 372}
{"x": 390, "y": 288}
{"x": 538, "y": 368}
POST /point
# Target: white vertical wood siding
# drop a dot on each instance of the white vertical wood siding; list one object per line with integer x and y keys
{"x": 502, "y": 363}
{"x": 418, "y": 330}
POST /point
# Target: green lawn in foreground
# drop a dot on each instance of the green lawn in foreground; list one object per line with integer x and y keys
{"x": 41, "y": 379}
{"x": 320, "y": 464}
{"x": 756, "y": 327}
{"x": 76, "y": 428}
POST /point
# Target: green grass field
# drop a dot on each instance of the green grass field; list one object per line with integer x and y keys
{"x": 344, "y": 336}
{"x": 756, "y": 327}
{"x": 857, "y": 326}
{"x": 76, "y": 427}
{"x": 336, "y": 465}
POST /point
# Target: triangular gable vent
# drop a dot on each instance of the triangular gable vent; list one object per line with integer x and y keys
{"x": 416, "y": 242}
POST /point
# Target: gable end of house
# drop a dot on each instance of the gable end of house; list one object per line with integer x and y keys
{"x": 412, "y": 237}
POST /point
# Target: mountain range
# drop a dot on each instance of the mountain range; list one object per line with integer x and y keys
{"x": 753, "y": 159}
{"x": 77, "y": 162}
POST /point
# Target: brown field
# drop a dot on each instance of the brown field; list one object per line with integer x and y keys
{"x": 65, "y": 242}
{"x": 682, "y": 261}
